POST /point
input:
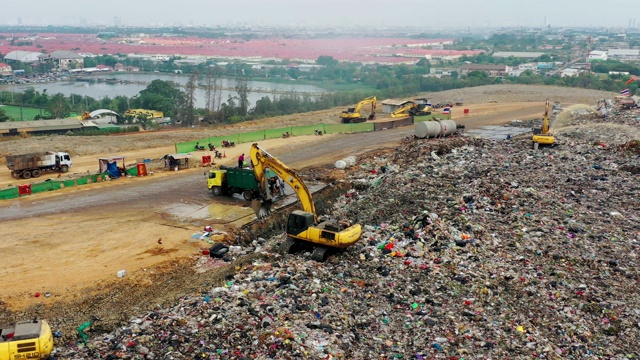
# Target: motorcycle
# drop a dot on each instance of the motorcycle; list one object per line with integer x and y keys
{"x": 199, "y": 147}
{"x": 286, "y": 135}
{"x": 212, "y": 147}
{"x": 226, "y": 143}
{"x": 318, "y": 132}
{"x": 217, "y": 154}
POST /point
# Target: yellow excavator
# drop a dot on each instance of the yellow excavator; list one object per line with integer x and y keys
{"x": 352, "y": 115}
{"x": 26, "y": 340}
{"x": 543, "y": 136}
{"x": 305, "y": 230}
{"x": 411, "y": 108}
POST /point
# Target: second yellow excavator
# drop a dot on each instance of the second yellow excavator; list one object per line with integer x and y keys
{"x": 352, "y": 115}
{"x": 411, "y": 108}
{"x": 544, "y": 135}
{"x": 305, "y": 230}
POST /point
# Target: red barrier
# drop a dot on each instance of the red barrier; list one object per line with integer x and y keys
{"x": 466, "y": 112}
{"x": 142, "y": 169}
{"x": 206, "y": 160}
{"x": 24, "y": 189}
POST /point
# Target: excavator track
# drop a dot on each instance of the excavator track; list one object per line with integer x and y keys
{"x": 320, "y": 253}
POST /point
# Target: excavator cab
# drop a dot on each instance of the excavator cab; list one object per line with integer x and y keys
{"x": 299, "y": 221}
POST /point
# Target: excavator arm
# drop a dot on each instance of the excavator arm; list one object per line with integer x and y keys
{"x": 370, "y": 100}
{"x": 261, "y": 160}
{"x": 404, "y": 110}
{"x": 545, "y": 120}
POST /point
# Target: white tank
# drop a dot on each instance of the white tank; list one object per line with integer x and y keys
{"x": 428, "y": 129}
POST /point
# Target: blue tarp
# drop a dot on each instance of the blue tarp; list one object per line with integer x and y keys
{"x": 112, "y": 169}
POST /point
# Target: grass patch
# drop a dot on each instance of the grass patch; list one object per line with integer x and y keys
{"x": 28, "y": 113}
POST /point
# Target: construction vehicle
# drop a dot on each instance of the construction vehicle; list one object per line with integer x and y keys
{"x": 543, "y": 136}
{"x": 31, "y": 165}
{"x": 411, "y": 108}
{"x": 26, "y": 340}
{"x": 305, "y": 229}
{"x": 352, "y": 115}
{"x": 86, "y": 116}
{"x": 149, "y": 114}
{"x": 229, "y": 181}
{"x": 404, "y": 110}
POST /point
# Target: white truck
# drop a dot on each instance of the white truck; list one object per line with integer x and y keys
{"x": 31, "y": 165}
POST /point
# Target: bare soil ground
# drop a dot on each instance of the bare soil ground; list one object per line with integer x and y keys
{"x": 66, "y": 243}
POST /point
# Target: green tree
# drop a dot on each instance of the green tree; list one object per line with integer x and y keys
{"x": 242, "y": 88}
{"x": 90, "y": 62}
{"x": 188, "y": 111}
{"x": 160, "y": 95}
{"x": 264, "y": 106}
{"x": 326, "y": 60}
{"x": 59, "y": 107}
{"x": 3, "y": 116}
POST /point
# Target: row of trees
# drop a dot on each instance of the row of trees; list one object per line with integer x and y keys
{"x": 178, "y": 102}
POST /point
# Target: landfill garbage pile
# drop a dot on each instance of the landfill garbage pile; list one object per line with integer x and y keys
{"x": 471, "y": 249}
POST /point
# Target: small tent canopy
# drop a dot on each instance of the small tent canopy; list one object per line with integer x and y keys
{"x": 178, "y": 160}
{"x": 105, "y": 161}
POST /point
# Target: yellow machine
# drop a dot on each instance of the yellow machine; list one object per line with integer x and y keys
{"x": 352, "y": 115}
{"x": 304, "y": 228}
{"x": 85, "y": 116}
{"x": 405, "y": 110}
{"x": 151, "y": 114}
{"x": 544, "y": 136}
{"x": 411, "y": 108}
{"x": 26, "y": 340}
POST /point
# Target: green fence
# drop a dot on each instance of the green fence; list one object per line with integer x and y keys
{"x": 52, "y": 185}
{"x": 254, "y": 136}
{"x": 9, "y": 193}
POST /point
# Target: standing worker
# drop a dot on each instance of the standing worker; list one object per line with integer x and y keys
{"x": 282, "y": 187}
{"x": 240, "y": 161}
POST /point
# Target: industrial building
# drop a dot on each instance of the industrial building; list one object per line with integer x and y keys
{"x": 62, "y": 59}
{"x": 22, "y": 56}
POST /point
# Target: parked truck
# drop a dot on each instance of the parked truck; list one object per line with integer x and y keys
{"x": 31, "y": 165}
{"x": 26, "y": 340}
{"x": 229, "y": 181}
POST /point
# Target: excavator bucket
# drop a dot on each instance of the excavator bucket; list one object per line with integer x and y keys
{"x": 262, "y": 208}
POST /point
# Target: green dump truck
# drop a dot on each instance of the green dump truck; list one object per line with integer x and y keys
{"x": 229, "y": 181}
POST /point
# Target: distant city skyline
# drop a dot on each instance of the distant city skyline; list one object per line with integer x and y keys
{"x": 338, "y": 13}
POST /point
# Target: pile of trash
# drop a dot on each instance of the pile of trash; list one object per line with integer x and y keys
{"x": 471, "y": 248}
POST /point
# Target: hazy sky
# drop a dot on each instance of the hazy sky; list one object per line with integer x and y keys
{"x": 427, "y": 13}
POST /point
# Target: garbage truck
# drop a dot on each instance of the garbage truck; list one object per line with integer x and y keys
{"x": 229, "y": 181}
{"x": 30, "y": 165}
{"x": 26, "y": 340}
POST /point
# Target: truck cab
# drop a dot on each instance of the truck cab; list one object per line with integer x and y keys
{"x": 63, "y": 159}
